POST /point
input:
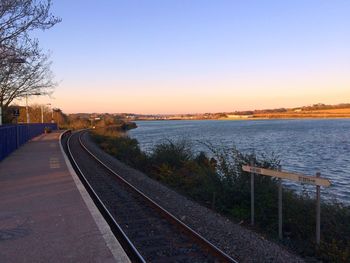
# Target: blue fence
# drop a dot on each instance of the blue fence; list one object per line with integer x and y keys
{"x": 13, "y": 136}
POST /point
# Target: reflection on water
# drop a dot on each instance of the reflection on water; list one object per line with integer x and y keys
{"x": 304, "y": 146}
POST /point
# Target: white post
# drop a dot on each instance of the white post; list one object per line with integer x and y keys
{"x": 27, "y": 109}
{"x": 318, "y": 212}
{"x": 42, "y": 114}
{"x": 252, "y": 195}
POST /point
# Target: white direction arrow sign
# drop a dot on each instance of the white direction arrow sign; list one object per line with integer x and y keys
{"x": 289, "y": 176}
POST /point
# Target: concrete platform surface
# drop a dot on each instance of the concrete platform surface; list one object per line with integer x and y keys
{"x": 45, "y": 216}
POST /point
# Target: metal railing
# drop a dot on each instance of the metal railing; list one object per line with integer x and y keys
{"x": 13, "y": 136}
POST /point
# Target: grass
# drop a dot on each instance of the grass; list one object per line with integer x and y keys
{"x": 219, "y": 183}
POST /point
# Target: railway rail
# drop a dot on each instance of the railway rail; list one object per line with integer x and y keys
{"x": 147, "y": 232}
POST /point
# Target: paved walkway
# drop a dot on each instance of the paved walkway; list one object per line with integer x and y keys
{"x": 45, "y": 214}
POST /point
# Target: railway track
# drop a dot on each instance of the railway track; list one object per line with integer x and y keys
{"x": 147, "y": 232}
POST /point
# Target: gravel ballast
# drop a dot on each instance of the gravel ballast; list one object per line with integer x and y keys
{"x": 235, "y": 240}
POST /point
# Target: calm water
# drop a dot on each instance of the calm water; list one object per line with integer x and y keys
{"x": 304, "y": 146}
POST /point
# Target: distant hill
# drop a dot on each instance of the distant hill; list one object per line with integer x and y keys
{"x": 319, "y": 110}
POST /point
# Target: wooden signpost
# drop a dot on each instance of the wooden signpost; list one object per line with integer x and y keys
{"x": 304, "y": 179}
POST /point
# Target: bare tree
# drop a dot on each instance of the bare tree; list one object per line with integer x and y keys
{"x": 25, "y": 79}
{"x": 19, "y": 17}
{"x": 24, "y": 67}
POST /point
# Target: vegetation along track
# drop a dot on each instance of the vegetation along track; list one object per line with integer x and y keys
{"x": 147, "y": 232}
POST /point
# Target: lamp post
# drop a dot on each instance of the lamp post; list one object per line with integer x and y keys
{"x": 52, "y": 120}
{"x": 27, "y": 108}
{"x": 27, "y": 111}
{"x": 58, "y": 121}
{"x": 42, "y": 111}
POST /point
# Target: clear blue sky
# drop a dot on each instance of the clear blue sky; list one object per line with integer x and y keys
{"x": 176, "y": 56}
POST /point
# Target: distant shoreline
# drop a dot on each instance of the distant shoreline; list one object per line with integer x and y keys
{"x": 289, "y": 118}
{"x": 316, "y": 111}
{"x": 250, "y": 119}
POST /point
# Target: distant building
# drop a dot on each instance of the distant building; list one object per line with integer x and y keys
{"x": 234, "y": 116}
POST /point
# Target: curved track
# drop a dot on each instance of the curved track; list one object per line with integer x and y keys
{"x": 147, "y": 232}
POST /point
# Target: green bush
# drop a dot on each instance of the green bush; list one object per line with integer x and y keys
{"x": 175, "y": 155}
{"x": 122, "y": 147}
{"x": 47, "y": 130}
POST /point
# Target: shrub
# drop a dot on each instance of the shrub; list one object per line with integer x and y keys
{"x": 122, "y": 147}
{"x": 173, "y": 154}
{"x": 47, "y": 130}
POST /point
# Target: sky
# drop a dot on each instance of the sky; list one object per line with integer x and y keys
{"x": 196, "y": 56}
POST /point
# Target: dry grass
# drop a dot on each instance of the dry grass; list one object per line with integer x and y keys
{"x": 331, "y": 113}
{"x": 334, "y": 111}
{"x": 290, "y": 114}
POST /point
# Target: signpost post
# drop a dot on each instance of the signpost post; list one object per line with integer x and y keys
{"x": 280, "y": 218}
{"x": 252, "y": 209}
{"x": 318, "y": 212}
{"x": 305, "y": 179}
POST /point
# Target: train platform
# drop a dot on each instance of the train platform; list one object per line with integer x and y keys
{"x": 45, "y": 213}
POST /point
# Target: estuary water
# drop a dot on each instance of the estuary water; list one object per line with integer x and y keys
{"x": 303, "y": 146}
